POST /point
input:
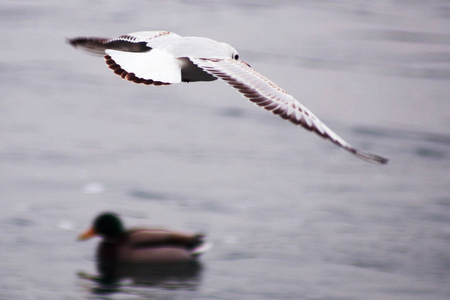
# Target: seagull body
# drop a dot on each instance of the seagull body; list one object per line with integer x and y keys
{"x": 162, "y": 58}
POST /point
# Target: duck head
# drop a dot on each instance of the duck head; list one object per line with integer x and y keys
{"x": 107, "y": 225}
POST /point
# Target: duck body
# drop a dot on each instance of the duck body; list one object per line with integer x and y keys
{"x": 143, "y": 245}
{"x": 150, "y": 246}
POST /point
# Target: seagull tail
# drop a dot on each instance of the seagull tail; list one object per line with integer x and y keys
{"x": 95, "y": 46}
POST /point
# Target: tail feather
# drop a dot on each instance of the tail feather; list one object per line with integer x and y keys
{"x": 201, "y": 249}
{"x": 198, "y": 245}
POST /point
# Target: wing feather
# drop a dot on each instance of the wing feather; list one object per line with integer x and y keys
{"x": 151, "y": 67}
{"x": 264, "y": 93}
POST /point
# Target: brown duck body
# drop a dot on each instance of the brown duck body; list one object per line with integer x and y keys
{"x": 142, "y": 245}
{"x": 150, "y": 246}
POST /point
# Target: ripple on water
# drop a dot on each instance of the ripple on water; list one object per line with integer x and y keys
{"x": 147, "y": 195}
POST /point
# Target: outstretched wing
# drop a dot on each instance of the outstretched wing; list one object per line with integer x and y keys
{"x": 132, "y": 42}
{"x": 263, "y": 92}
{"x": 134, "y": 57}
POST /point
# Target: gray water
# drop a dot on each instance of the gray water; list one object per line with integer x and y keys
{"x": 290, "y": 216}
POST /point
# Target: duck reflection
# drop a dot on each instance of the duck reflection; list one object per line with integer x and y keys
{"x": 162, "y": 275}
{"x": 116, "y": 277}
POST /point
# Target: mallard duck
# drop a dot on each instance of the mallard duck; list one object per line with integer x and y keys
{"x": 142, "y": 245}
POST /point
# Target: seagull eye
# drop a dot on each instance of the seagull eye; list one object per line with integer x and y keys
{"x": 236, "y": 56}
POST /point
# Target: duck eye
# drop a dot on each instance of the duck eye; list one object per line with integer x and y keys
{"x": 236, "y": 56}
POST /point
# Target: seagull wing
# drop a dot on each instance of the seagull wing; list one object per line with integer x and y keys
{"x": 155, "y": 66}
{"x": 137, "y": 56}
{"x": 266, "y": 94}
{"x": 141, "y": 41}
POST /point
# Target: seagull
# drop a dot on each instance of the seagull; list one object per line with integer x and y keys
{"x": 163, "y": 57}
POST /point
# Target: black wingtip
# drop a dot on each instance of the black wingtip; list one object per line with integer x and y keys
{"x": 75, "y": 42}
{"x": 70, "y": 41}
{"x": 372, "y": 158}
{"x": 90, "y": 45}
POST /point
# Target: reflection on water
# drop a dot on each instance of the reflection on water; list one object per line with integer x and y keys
{"x": 126, "y": 278}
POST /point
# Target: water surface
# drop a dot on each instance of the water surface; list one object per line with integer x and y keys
{"x": 290, "y": 215}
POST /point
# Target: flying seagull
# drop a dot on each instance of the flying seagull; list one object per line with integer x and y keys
{"x": 163, "y": 57}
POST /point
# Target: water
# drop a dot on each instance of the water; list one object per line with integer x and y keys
{"x": 290, "y": 216}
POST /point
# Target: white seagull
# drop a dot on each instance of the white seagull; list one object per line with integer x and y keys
{"x": 163, "y": 57}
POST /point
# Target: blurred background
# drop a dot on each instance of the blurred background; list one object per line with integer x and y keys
{"x": 290, "y": 216}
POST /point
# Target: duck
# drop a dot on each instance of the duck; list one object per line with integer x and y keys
{"x": 142, "y": 245}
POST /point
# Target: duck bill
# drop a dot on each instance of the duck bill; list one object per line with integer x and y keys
{"x": 87, "y": 234}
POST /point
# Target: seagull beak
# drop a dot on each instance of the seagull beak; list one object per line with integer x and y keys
{"x": 87, "y": 234}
